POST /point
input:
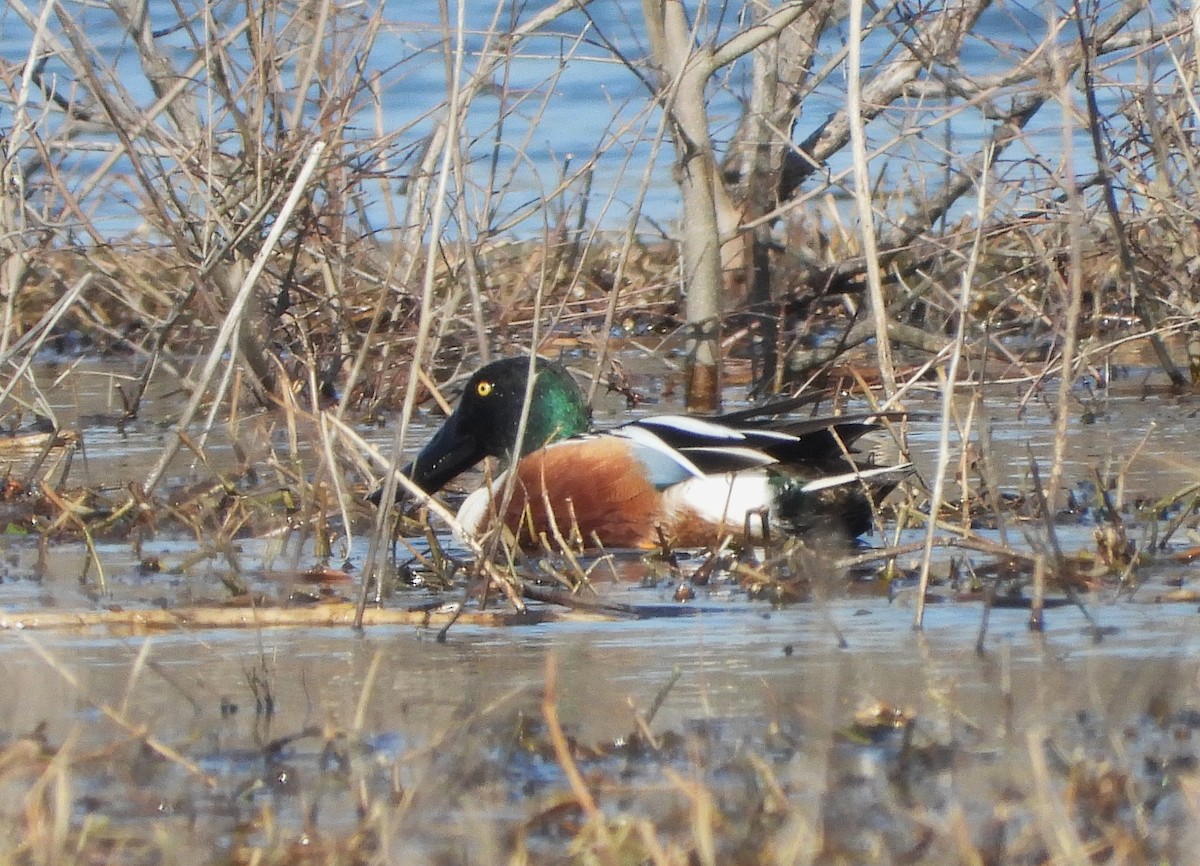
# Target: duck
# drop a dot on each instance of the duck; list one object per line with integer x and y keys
{"x": 685, "y": 480}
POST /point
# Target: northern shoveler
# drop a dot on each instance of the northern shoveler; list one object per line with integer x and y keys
{"x": 693, "y": 479}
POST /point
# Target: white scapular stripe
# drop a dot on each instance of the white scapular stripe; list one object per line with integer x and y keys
{"x": 899, "y": 471}
{"x": 751, "y": 456}
{"x": 690, "y": 425}
{"x": 699, "y": 427}
{"x": 661, "y": 459}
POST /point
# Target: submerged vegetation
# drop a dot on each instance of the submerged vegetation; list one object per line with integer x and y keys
{"x": 248, "y": 252}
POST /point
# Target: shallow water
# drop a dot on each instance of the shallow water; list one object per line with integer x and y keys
{"x": 450, "y": 734}
{"x": 449, "y": 719}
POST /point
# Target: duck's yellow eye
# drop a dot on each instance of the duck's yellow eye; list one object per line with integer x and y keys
{"x": 484, "y": 388}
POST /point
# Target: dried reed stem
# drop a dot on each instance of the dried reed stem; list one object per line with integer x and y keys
{"x": 951, "y": 380}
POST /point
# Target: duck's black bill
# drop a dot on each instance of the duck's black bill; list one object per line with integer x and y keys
{"x": 450, "y": 452}
{"x": 376, "y": 495}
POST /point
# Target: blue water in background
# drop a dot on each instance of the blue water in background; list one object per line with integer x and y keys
{"x": 570, "y": 110}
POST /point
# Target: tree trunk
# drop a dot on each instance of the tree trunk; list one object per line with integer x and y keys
{"x": 752, "y": 168}
{"x": 683, "y": 71}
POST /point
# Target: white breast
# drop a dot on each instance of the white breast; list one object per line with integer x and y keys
{"x": 477, "y": 510}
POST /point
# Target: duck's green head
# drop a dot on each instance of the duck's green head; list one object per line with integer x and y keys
{"x": 487, "y": 417}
